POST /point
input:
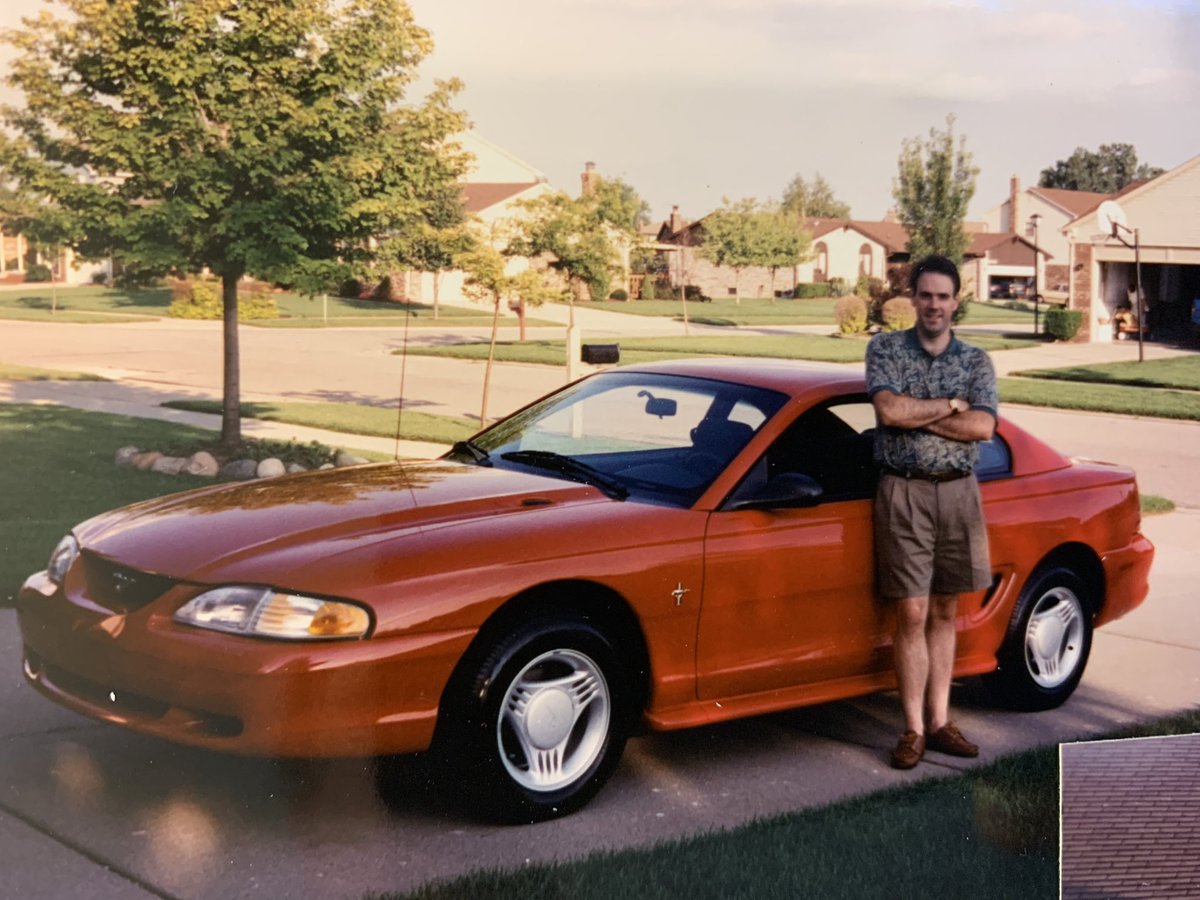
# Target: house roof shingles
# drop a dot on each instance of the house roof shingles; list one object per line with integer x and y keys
{"x": 479, "y": 196}
{"x": 1131, "y": 819}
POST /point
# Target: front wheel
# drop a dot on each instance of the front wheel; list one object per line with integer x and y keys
{"x": 542, "y": 723}
{"x": 1046, "y": 650}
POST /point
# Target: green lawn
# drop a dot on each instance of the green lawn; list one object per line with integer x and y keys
{"x": 762, "y": 311}
{"x": 13, "y": 372}
{"x": 1105, "y": 398}
{"x": 990, "y": 833}
{"x": 350, "y": 418}
{"x": 1180, "y": 372}
{"x": 98, "y": 304}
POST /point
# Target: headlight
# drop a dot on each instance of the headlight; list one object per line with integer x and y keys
{"x": 268, "y": 613}
{"x": 62, "y": 557}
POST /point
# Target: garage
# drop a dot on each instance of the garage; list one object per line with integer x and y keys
{"x": 1165, "y": 214}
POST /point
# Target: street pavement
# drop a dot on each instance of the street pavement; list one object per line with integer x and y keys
{"x": 91, "y": 811}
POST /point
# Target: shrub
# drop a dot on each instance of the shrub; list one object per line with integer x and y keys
{"x": 896, "y": 314}
{"x": 351, "y": 289}
{"x": 37, "y": 272}
{"x": 202, "y": 300}
{"x": 99, "y": 277}
{"x": 862, "y": 287}
{"x": 837, "y": 287}
{"x": 851, "y": 315}
{"x": 692, "y": 292}
{"x": 965, "y": 299}
{"x": 619, "y": 294}
{"x": 383, "y": 290}
{"x": 649, "y": 291}
{"x": 809, "y": 290}
{"x": 1063, "y": 324}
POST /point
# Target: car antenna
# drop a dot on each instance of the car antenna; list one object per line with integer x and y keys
{"x": 408, "y": 313}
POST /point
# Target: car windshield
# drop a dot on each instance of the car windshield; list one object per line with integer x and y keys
{"x": 656, "y": 438}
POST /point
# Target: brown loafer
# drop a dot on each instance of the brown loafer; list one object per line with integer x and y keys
{"x": 908, "y": 751}
{"x": 948, "y": 739}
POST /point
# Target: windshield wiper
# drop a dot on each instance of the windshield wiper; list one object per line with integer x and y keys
{"x": 565, "y": 465}
{"x": 469, "y": 448}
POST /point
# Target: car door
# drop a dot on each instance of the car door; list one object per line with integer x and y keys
{"x": 789, "y": 592}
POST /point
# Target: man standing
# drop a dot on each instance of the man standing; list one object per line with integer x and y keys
{"x": 935, "y": 399}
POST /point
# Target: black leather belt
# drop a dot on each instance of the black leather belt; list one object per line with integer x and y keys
{"x": 935, "y": 477}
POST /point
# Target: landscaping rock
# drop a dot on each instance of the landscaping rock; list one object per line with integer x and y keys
{"x": 125, "y": 456}
{"x": 143, "y": 461}
{"x": 202, "y": 463}
{"x": 270, "y": 468}
{"x": 168, "y": 465}
{"x": 240, "y": 469}
{"x": 347, "y": 459}
{"x": 325, "y": 466}
{"x": 293, "y": 468}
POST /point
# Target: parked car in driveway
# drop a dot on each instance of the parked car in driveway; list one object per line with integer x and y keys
{"x": 657, "y": 546}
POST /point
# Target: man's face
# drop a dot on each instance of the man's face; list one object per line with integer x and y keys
{"x": 935, "y": 303}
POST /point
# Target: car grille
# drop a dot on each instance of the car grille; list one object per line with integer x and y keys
{"x": 120, "y": 588}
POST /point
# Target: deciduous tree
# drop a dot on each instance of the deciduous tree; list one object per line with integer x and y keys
{"x": 1106, "y": 170}
{"x": 488, "y": 278}
{"x": 933, "y": 189}
{"x": 246, "y": 137}
{"x": 813, "y": 199}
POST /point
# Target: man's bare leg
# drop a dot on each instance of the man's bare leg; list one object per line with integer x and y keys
{"x": 911, "y": 652}
{"x": 939, "y": 641}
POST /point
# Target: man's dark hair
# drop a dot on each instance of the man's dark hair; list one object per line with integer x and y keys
{"x": 938, "y": 265}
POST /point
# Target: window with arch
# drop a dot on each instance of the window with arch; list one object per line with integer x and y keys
{"x": 822, "y": 252}
{"x": 864, "y": 260}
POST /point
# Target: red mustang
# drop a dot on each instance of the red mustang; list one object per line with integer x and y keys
{"x": 666, "y": 545}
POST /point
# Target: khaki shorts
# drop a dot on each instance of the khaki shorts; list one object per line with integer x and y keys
{"x": 930, "y": 538}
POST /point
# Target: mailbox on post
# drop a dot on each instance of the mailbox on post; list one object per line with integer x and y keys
{"x": 601, "y": 354}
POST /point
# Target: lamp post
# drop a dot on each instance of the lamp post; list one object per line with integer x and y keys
{"x": 1037, "y": 289}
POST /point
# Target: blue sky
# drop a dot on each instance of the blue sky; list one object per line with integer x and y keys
{"x": 694, "y": 100}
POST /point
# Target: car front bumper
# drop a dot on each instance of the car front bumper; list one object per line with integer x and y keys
{"x": 144, "y": 671}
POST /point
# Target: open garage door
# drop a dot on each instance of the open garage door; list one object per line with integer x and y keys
{"x": 1171, "y": 292}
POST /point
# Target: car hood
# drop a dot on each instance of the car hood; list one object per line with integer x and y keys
{"x": 262, "y": 530}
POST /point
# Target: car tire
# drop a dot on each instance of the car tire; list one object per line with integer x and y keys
{"x": 1048, "y": 643}
{"x": 541, "y": 722}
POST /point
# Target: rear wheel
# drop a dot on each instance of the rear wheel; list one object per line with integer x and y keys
{"x": 1047, "y": 647}
{"x": 541, "y": 724}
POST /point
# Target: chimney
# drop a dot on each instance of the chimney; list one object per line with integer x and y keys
{"x": 675, "y": 221}
{"x": 1014, "y": 205}
{"x": 589, "y": 178}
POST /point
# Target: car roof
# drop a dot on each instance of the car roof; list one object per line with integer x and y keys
{"x": 783, "y": 375}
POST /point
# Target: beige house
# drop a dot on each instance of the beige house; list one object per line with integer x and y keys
{"x": 492, "y": 191}
{"x": 1166, "y": 214}
{"x": 1054, "y": 208}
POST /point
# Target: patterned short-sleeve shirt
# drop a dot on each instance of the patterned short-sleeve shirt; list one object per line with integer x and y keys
{"x": 897, "y": 362}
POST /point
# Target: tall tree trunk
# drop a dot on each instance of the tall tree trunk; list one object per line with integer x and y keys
{"x": 773, "y": 270}
{"x": 231, "y": 408}
{"x": 737, "y": 286}
{"x": 487, "y": 372}
{"x": 437, "y": 280}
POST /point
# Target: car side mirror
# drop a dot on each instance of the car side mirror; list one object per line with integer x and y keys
{"x": 788, "y": 490}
